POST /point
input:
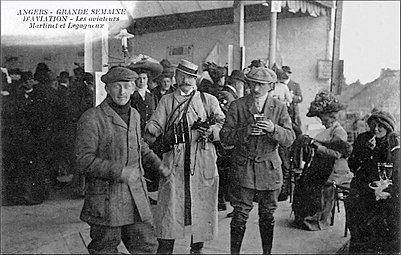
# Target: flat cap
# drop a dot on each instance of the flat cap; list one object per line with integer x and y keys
{"x": 119, "y": 74}
{"x": 261, "y": 75}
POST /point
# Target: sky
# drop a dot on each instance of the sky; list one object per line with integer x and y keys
{"x": 370, "y": 38}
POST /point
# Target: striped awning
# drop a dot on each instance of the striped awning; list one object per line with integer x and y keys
{"x": 314, "y": 8}
{"x": 142, "y": 9}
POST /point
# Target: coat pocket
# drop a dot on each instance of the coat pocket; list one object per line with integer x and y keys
{"x": 98, "y": 206}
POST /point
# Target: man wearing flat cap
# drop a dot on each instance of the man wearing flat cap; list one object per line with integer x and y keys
{"x": 189, "y": 195}
{"x": 295, "y": 90}
{"x": 256, "y": 125}
{"x": 110, "y": 153}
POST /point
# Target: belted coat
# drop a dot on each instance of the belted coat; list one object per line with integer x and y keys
{"x": 104, "y": 145}
{"x": 204, "y": 178}
{"x": 256, "y": 163}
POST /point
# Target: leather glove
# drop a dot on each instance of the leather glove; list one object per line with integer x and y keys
{"x": 129, "y": 174}
{"x": 164, "y": 171}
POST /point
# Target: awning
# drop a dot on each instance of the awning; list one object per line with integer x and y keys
{"x": 143, "y": 9}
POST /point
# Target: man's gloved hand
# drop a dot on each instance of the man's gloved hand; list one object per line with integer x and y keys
{"x": 164, "y": 171}
{"x": 129, "y": 174}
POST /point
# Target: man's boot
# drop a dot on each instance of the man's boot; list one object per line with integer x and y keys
{"x": 266, "y": 230}
{"x": 166, "y": 246}
{"x": 237, "y": 234}
{"x": 197, "y": 248}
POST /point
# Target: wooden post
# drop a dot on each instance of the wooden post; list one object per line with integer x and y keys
{"x": 239, "y": 28}
{"x": 336, "y": 76}
{"x": 273, "y": 39}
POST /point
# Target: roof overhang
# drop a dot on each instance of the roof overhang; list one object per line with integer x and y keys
{"x": 144, "y": 9}
{"x": 157, "y": 16}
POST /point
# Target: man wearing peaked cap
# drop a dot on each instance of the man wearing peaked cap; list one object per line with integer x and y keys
{"x": 255, "y": 125}
{"x": 262, "y": 75}
{"x": 109, "y": 152}
{"x": 119, "y": 74}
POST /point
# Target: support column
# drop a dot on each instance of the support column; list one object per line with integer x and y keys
{"x": 238, "y": 48}
{"x": 336, "y": 75}
{"x": 96, "y": 60}
{"x": 96, "y": 48}
{"x": 272, "y": 39}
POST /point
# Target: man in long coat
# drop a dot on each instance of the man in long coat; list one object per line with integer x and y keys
{"x": 110, "y": 153}
{"x": 189, "y": 195}
{"x": 256, "y": 124}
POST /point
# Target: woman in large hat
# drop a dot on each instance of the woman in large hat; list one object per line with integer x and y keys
{"x": 327, "y": 165}
{"x": 378, "y": 230}
{"x": 143, "y": 100}
{"x": 217, "y": 74}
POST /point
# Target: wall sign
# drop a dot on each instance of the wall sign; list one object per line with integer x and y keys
{"x": 176, "y": 53}
{"x": 324, "y": 69}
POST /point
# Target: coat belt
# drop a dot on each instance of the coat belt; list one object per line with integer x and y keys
{"x": 257, "y": 157}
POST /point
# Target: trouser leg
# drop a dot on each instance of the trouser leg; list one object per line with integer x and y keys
{"x": 139, "y": 238}
{"x": 105, "y": 240}
{"x": 284, "y": 153}
{"x": 166, "y": 246}
{"x": 237, "y": 232}
{"x": 267, "y": 207}
{"x": 222, "y": 187}
{"x": 242, "y": 201}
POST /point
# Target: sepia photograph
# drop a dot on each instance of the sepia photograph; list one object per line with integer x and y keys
{"x": 200, "y": 127}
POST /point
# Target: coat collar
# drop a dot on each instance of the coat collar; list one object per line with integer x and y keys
{"x": 116, "y": 119}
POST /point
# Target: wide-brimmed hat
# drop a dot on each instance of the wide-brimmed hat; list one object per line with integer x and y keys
{"x": 119, "y": 74}
{"x": 324, "y": 102}
{"x": 236, "y": 75}
{"x": 257, "y": 63}
{"x": 286, "y": 69}
{"x": 168, "y": 69}
{"x": 187, "y": 67}
{"x": 148, "y": 65}
{"x": 262, "y": 75}
{"x": 384, "y": 118}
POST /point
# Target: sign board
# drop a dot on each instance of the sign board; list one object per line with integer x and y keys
{"x": 176, "y": 53}
{"x": 276, "y": 6}
{"x": 324, "y": 69}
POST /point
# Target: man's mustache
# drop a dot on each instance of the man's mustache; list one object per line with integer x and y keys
{"x": 185, "y": 84}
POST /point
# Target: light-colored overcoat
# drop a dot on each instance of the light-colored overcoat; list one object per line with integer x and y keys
{"x": 104, "y": 145}
{"x": 204, "y": 178}
{"x": 255, "y": 160}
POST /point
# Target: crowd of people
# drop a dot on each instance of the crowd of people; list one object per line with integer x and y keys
{"x": 40, "y": 111}
{"x": 200, "y": 141}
